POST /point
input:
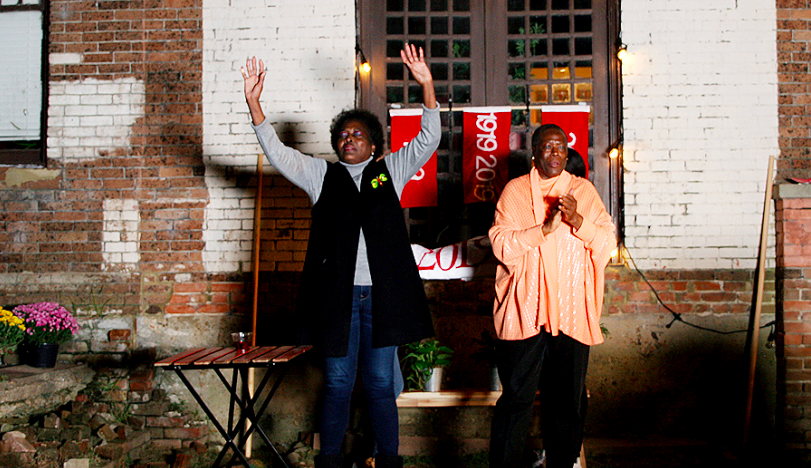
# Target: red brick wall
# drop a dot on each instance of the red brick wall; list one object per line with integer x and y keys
{"x": 793, "y": 57}
{"x": 54, "y": 224}
{"x": 285, "y": 226}
{"x": 793, "y": 218}
{"x": 793, "y": 224}
{"x": 683, "y": 291}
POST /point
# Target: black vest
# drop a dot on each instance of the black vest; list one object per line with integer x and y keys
{"x": 399, "y": 307}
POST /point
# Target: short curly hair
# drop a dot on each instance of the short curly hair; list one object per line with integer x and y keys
{"x": 366, "y": 118}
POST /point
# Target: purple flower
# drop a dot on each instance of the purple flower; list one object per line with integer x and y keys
{"x": 47, "y": 322}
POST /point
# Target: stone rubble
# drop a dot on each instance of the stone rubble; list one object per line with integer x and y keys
{"x": 88, "y": 434}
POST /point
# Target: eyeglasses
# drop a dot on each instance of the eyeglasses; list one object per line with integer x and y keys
{"x": 355, "y": 134}
{"x": 549, "y": 147}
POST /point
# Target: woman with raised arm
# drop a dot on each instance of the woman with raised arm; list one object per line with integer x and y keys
{"x": 360, "y": 295}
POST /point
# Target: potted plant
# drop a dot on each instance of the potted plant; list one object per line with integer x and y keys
{"x": 48, "y": 324}
{"x": 12, "y": 332}
{"x": 423, "y": 361}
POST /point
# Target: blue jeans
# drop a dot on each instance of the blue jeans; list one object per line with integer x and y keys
{"x": 377, "y": 374}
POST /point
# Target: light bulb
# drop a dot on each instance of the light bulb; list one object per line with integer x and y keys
{"x": 622, "y": 52}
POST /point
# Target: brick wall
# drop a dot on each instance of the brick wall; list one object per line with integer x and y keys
{"x": 700, "y": 121}
{"x": 114, "y": 226}
{"x": 310, "y": 79}
{"x": 793, "y": 38}
{"x": 794, "y": 317}
{"x": 143, "y": 220}
{"x": 793, "y": 211}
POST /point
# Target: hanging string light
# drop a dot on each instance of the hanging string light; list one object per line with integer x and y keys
{"x": 365, "y": 66}
{"x": 622, "y": 52}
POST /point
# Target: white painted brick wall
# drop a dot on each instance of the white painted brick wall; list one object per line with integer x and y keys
{"x": 700, "y": 122}
{"x": 308, "y": 47}
{"x": 121, "y": 235}
{"x": 700, "y": 117}
{"x": 89, "y": 117}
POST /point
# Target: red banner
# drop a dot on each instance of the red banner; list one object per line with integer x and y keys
{"x": 421, "y": 189}
{"x": 485, "y": 150}
{"x": 574, "y": 120}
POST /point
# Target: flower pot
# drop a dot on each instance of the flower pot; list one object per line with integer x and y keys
{"x": 433, "y": 382}
{"x": 495, "y": 381}
{"x": 43, "y": 355}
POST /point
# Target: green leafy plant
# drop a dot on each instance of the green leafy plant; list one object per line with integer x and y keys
{"x": 535, "y": 28}
{"x": 420, "y": 359}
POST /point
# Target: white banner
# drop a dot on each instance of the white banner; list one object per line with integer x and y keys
{"x": 463, "y": 260}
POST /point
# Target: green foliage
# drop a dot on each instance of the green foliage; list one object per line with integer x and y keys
{"x": 100, "y": 388}
{"x": 461, "y": 49}
{"x": 517, "y": 94}
{"x": 535, "y": 28}
{"x": 420, "y": 359}
{"x": 94, "y": 306}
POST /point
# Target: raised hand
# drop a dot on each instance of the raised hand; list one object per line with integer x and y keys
{"x": 414, "y": 59}
{"x": 568, "y": 208}
{"x": 254, "y": 75}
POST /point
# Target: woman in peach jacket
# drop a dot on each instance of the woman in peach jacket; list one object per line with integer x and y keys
{"x": 553, "y": 237}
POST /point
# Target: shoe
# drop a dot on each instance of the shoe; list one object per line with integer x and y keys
{"x": 540, "y": 459}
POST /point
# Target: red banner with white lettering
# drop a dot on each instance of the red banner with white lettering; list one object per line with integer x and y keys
{"x": 574, "y": 120}
{"x": 485, "y": 151}
{"x": 421, "y": 190}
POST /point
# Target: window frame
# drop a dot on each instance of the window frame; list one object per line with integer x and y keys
{"x": 34, "y": 156}
{"x": 491, "y": 69}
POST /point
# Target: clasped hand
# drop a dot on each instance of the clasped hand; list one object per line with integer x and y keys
{"x": 564, "y": 212}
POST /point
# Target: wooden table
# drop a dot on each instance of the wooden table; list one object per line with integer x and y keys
{"x": 276, "y": 359}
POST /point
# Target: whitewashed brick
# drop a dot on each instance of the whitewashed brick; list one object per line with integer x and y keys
{"x": 719, "y": 120}
{"x": 310, "y": 79}
{"x": 121, "y": 234}
{"x": 77, "y": 121}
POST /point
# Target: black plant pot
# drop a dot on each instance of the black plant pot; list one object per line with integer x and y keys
{"x": 43, "y": 355}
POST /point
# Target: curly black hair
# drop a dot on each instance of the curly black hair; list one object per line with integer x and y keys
{"x": 366, "y": 118}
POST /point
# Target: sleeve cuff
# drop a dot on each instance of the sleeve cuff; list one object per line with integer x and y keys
{"x": 535, "y": 235}
{"x": 587, "y": 231}
{"x": 260, "y": 126}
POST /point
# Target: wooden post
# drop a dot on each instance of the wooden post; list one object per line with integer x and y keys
{"x": 257, "y": 237}
{"x": 761, "y": 271}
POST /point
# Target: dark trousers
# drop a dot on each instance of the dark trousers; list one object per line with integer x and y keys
{"x": 555, "y": 365}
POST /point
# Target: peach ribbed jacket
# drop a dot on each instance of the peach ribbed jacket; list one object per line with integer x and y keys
{"x": 554, "y": 281}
